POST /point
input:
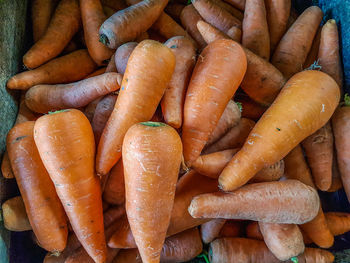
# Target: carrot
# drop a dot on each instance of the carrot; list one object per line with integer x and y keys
{"x": 205, "y": 88}
{"x": 122, "y": 55}
{"x": 142, "y": 37}
{"x": 6, "y": 169}
{"x": 114, "y": 192}
{"x": 239, "y": 4}
{"x": 231, "y": 228}
{"x": 211, "y": 230}
{"x": 336, "y": 179}
{"x": 210, "y": 33}
{"x": 41, "y": 16}
{"x": 103, "y": 110}
{"x": 292, "y": 17}
{"x": 128, "y": 256}
{"x": 189, "y": 18}
{"x": 89, "y": 110}
{"x": 292, "y": 50}
{"x": 312, "y": 56}
{"x": 245, "y": 204}
{"x": 319, "y": 92}
{"x": 174, "y": 96}
{"x": 319, "y": 152}
{"x": 283, "y": 240}
{"x": 174, "y": 10}
{"x": 270, "y": 173}
{"x": 253, "y": 231}
{"x": 14, "y": 215}
{"x": 44, "y": 98}
{"x": 43, "y": 207}
{"x": 99, "y": 71}
{"x": 147, "y": 185}
{"x": 65, "y": 69}
{"x": 234, "y": 138}
{"x": 122, "y": 237}
{"x": 231, "y": 9}
{"x": 235, "y": 33}
{"x": 315, "y": 255}
{"x": 82, "y": 199}
{"x": 118, "y": 29}
{"x": 296, "y": 168}
{"x": 215, "y": 15}
{"x": 93, "y": 16}
{"x": 63, "y": 25}
{"x": 115, "y": 4}
{"x": 328, "y": 54}
{"x": 111, "y": 66}
{"x": 277, "y": 18}
{"x": 72, "y": 46}
{"x": 108, "y": 10}
{"x": 255, "y": 30}
{"x": 338, "y": 223}
{"x": 147, "y": 75}
{"x": 250, "y": 109}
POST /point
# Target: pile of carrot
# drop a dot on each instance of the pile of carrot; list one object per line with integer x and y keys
{"x": 147, "y": 129}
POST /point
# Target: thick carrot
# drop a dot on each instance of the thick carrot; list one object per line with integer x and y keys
{"x": 283, "y": 240}
{"x": 292, "y": 50}
{"x": 336, "y": 179}
{"x": 213, "y": 83}
{"x": 43, "y": 206}
{"x": 319, "y": 152}
{"x": 338, "y": 223}
{"x": 314, "y": 94}
{"x": 253, "y": 231}
{"x": 41, "y": 15}
{"x": 174, "y": 96}
{"x": 65, "y": 69}
{"x": 93, "y": 16}
{"x": 211, "y": 230}
{"x": 122, "y": 55}
{"x": 255, "y": 30}
{"x": 111, "y": 66}
{"x": 73, "y": 174}
{"x": 231, "y": 9}
{"x": 239, "y": 4}
{"x": 14, "y": 215}
{"x": 277, "y": 17}
{"x": 189, "y": 18}
{"x": 174, "y": 10}
{"x": 119, "y": 29}
{"x": 63, "y": 25}
{"x": 312, "y": 56}
{"x": 250, "y": 109}
{"x": 114, "y": 192}
{"x": 216, "y": 15}
{"x": 103, "y": 110}
{"x": 270, "y": 173}
{"x": 234, "y": 138}
{"x": 44, "y": 98}
{"x": 231, "y": 228}
{"x": 147, "y": 75}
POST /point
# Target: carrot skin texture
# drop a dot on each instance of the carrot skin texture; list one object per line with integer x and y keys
{"x": 65, "y": 69}
{"x": 211, "y": 230}
{"x": 14, "y": 215}
{"x": 44, "y": 98}
{"x": 122, "y": 55}
{"x": 64, "y": 24}
{"x": 83, "y": 197}
{"x": 244, "y": 204}
{"x": 43, "y": 206}
{"x": 292, "y": 50}
{"x": 322, "y": 95}
{"x": 205, "y": 88}
{"x": 255, "y": 30}
{"x": 151, "y": 169}
{"x": 270, "y": 173}
{"x": 338, "y": 222}
{"x": 147, "y": 75}
{"x": 114, "y": 192}
{"x": 173, "y": 100}
{"x": 239, "y": 4}
{"x": 117, "y": 29}
{"x": 209, "y": 33}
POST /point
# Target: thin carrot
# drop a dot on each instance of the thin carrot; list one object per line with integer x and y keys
{"x": 211, "y": 230}
{"x": 122, "y": 55}
{"x": 75, "y": 168}
{"x": 174, "y": 10}
{"x": 250, "y": 109}
{"x": 338, "y": 223}
{"x": 63, "y": 25}
{"x": 14, "y": 215}
{"x": 270, "y": 173}
{"x": 42, "y": 204}
{"x": 312, "y": 56}
{"x": 114, "y": 192}
{"x": 231, "y": 228}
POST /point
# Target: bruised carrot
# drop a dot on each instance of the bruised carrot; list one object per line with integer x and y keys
{"x": 231, "y": 9}
{"x": 111, "y": 66}
{"x": 234, "y": 138}
{"x": 270, "y": 173}
{"x": 174, "y": 96}
{"x": 14, "y": 215}
{"x": 336, "y": 179}
{"x": 118, "y": 29}
{"x": 43, "y": 206}
{"x": 122, "y": 55}
{"x": 292, "y": 50}
{"x": 253, "y": 231}
{"x": 44, "y": 98}
{"x": 250, "y": 109}
{"x": 211, "y": 230}
{"x": 114, "y": 192}
{"x": 205, "y": 88}
{"x": 63, "y": 25}
{"x": 255, "y": 30}
{"x": 147, "y": 75}
{"x": 53, "y": 133}
{"x": 231, "y": 228}
{"x": 338, "y": 223}
{"x": 65, "y": 69}
{"x": 312, "y": 56}
{"x": 321, "y": 95}
{"x": 283, "y": 240}
{"x": 174, "y": 10}
{"x": 239, "y": 4}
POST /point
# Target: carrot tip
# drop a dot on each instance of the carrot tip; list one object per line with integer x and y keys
{"x": 104, "y": 39}
{"x": 153, "y": 124}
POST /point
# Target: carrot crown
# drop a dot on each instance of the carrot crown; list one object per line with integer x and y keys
{"x": 294, "y": 259}
{"x": 57, "y": 111}
{"x": 347, "y": 100}
{"x": 240, "y": 107}
{"x": 153, "y": 124}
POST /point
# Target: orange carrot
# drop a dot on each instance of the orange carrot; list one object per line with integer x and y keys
{"x": 336, "y": 179}
{"x": 321, "y": 95}
{"x": 119, "y": 29}
{"x": 108, "y": 10}
{"x": 292, "y": 17}
{"x": 239, "y": 4}
{"x": 174, "y": 96}
{"x": 235, "y": 33}
{"x": 174, "y": 10}
{"x": 211, "y": 230}
{"x": 205, "y": 88}
{"x": 82, "y": 199}
{"x": 80, "y": 255}
{"x": 292, "y": 50}
{"x": 338, "y": 223}
{"x": 250, "y": 109}
{"x": 210, "y": 33}
{"x": 63, "y": 25}
{"x": 114, "y": 192}
{"x": 72, "y": 46}
{"x": 231, "y": 9}
{"x": 147, "y": 75}
{"x": 122, "y": 237}
{"x": 122, "y": 55}
{"x": 111, "y": 66}
{"x": 315, "y": 255}
{"x": 99, "y": 71}
{"x": 270, "y": 173}
{"x": 65, "y": 69}
{"x": 44, "y": 98}
{"x": 42, "y": 204}
{"x": 142, "y": 37}
{"x": 255, "y": 30}
{"x": 14, "y": 215}
{"x": 231, "y": 228}
{"x": 253, "y": 231}
{"x": 89, "y": 110}
{"x": 6, "y": 169}
{"x": 312, "y": 56}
